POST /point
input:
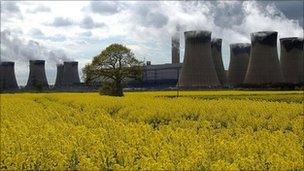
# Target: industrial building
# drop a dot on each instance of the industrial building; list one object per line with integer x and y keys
{"x": 37, "y": 77}
{"x": 158, "y": 76}
{"x": 292, "y": 59}
{"x": 264, "y": 66}
{"x": 216, "y": 53}
{"x": 7, "y": 76}
{"x": 239, "y": 58}
{"x": 161, "y": 75}
{"x": 198, "y": 70}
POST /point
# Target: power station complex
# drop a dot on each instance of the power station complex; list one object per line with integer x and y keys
{"x": 257, "y": 63}
{"x": 67, "y": 76}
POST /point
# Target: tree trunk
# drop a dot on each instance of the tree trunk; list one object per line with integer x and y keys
{"x": 118, "y": 88}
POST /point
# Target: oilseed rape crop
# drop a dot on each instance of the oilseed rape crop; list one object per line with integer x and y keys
{"x": 200, "y": 130}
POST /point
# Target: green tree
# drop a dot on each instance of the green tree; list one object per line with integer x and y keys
{"x": 112, "y": 67}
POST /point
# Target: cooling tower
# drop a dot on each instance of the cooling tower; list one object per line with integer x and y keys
{"x": 7, "y": 76}
{"x": 292, "y": 60}
{"x": 198, "y": 69}
{"x": 37, "y": 77}
{"x": 264, "y": 66}
{"x": 239, "y": 58}
{"x": 175, "y": 49}
{"x": 70, "y": 74}
{"x": 59, "y": 76}
{"x": 216, "y": 53}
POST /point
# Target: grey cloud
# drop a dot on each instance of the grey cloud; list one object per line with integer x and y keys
{"x": 104, "y": 7}
{"x": 39, "y": 8}
{"x": 9, "y": 6}
{"x": 16, "y": 31}
{"x": 36, "y": 33}
{"x": 86, "y": 34}
{"x": 148, "y": 15}
{"x": 14, "y": 48}
{"x": 62, "y": 22}
{"x": 154, "y": 19}
{"x": 229, "y": 15}
{"x": 10, "y": 9}
{"x": 57, "y": 38}
{"x": 88, "y": 23}
{"x": 292, "y": 9}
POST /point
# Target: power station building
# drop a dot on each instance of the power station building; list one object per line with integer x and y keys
{"x": 37, "y": 77}
{"x": 256, "y": 63}
{"x": 292, "y": 59}
{"x": 216, "y": 53}
{"x": 198, "y": 69}
{"x": 7, "y": 76}
{"x": 264, "y": 66}
{"x": 239, "y": 58}
{"x": 161, "y": 75}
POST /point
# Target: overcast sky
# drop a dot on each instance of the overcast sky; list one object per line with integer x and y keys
{"x": 78, "y": 30}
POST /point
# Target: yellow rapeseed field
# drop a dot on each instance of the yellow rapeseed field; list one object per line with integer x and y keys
{"x": 207, "y": 130}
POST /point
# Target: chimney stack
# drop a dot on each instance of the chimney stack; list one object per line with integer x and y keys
{"x": 70, "y": 73}
{"x": 292, "y": 60}
{"x": 264, "y": 66}
{"x": 239, "y": 58}
{"x": 59, "y": 76}
{"x": 7, "y": 76}
{"x": 37, "y": 77}
{"x": 198, "y": 69}
{"x": 175, "y": 49}
{"x": 216, "y": 53}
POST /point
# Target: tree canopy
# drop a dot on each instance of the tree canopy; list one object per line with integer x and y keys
{"x": 113, "y": 66}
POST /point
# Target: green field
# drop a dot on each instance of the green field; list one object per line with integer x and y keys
{"x": 206, "y": 130}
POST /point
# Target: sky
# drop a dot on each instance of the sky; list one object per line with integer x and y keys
{"x": 58, "y": 31}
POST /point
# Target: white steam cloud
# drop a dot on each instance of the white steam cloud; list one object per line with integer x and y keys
{"x": 21, "y": 50}
{"x": 233, "y": 21}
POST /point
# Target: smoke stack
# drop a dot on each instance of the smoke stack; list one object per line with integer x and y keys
{"x": 198, "y": 69}
{"x": 264, "y": 66}
{"x": 7, "y": 76}
{"x": 239, "y": 58}
{"x": 216, "y": 53}
{"x": 175, "y": 49}
{"x": 292, "y": 60}
{"x": 59, "y": 76}
{"x": 37, "y": 77}
{"x": 70, "y": 74}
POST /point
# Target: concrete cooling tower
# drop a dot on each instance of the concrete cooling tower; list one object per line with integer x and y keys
{"x": 7, "y": 76}
{"x": 175, "y": 49}
{"x": 70, "y": 74}
{"x": 59, "y": 76}
{"x": 239, "y": 58}
{"x": 37, "y": 77}
{"x": 216, "y": 53}
{"x": 264, "y": 66}
{"x": 292, "y": 60}
{"x": 198, "y": 69}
